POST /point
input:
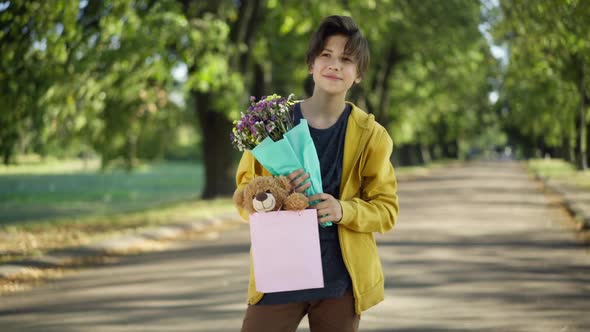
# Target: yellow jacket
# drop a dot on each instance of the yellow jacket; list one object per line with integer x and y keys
{"x": 369, "y": 204}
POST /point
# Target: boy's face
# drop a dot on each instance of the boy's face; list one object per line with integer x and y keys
{"x": 333, "y": 71}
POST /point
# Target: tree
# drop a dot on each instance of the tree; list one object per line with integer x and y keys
{"x": 33, "y": 51}
{"x": 423, "y": 56}
{"x": 84, "y": 73}
{"x": 549, "y": 50}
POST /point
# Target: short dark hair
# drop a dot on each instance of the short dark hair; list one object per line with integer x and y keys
{"x": 357, "y": 46}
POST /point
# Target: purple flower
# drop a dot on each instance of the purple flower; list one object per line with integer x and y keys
{"x": 263, "y": 118}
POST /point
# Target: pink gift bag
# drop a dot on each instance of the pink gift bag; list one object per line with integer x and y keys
{"x": 286, "y": 250}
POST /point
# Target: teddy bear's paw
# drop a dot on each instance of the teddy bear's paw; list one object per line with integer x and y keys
{"x": 296, "y": 202}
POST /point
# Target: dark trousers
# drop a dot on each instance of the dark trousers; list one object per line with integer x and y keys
{"x": 328, "y": 315}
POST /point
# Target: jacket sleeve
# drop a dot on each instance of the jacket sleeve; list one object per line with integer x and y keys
{"x": 248, "y": 168}
{"x": 377, "y": 207}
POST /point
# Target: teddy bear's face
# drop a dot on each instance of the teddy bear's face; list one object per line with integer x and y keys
{"x": 263, "y": 194}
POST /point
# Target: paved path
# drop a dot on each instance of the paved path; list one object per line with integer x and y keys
{"x": 476, "y": 248}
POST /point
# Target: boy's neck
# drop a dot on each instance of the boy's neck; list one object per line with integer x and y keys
{"x": 322, "y": 111}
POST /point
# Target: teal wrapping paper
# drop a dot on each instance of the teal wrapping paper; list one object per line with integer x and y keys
{"x": 296, "y": 150}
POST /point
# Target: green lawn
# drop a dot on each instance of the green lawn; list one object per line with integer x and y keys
{"x": 68, "y": 189}
{"x": 561, "y": 171}
{"x": 51, "y": 205}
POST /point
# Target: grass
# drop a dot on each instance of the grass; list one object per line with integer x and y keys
{"x": 45, "y": 206}
{"x": 565, "y": 173}
{"x": 34, "y": 238}
{"x": 59, "y": 204}
{"x": 561, "y": 171}
{"x": 70, "y": 189}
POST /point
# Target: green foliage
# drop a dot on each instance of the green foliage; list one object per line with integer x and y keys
{"x": 96, "y": 76}
{"x": 437, "y": 92}
{"x": 546, "y": 84}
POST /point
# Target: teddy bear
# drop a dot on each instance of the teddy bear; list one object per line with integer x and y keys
{"x": 269, "y": 193}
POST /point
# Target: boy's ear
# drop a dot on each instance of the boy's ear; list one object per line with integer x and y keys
{"x": 358, "y": 80}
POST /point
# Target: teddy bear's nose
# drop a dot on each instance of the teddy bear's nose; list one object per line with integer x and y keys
{"x": 261, "y": 196}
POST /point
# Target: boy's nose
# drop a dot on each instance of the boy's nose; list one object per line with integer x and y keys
{"x": 334, "y": 66}
{"x": 261, "y": 196}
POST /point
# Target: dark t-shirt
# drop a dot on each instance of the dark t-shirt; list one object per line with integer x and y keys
{"x": 329, "y": 144}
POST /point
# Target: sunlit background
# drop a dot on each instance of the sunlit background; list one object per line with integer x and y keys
{"x": 120, "y": 106}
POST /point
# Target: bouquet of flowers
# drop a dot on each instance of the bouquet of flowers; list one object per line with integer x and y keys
{"x": 266, "y": 129}
{"x": 269, "y": 117}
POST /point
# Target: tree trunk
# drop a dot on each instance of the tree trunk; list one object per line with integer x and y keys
{"x": 571, "y": 149}
{"x": 582, "y": 147}
{"x": 6, "y": 156}
{"x": 130, "y": 152}
{"x": 417, "y": 153}
{"x": 582, "y": 155}
{"x": 382, "y": 87}
{"x": 218, "y": 155}
{"x": 261, "y": 81}
{"x": 405, "y": 158}
{"x": 410, "y": 155}
{"x": 8, "y": 142}
{"x": 435, "y": 151}
{"x": 425, "y": 152}
{"x": 450, "y": 150}
{"x": 584, "y": 100}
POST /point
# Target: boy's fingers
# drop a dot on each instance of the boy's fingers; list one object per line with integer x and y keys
{"x": 306, "y": 185}
{"x": 324, "y": 219}
{"x": 300, "y": 182}
{"x": 294, "y": 175}
{"x": 314, "y": 197}
{"x": 296, "y": 182}
{"x": 321, "y": 197}
{"x": 303, "y": 187}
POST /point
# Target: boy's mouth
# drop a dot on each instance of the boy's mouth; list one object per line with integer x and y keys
{"x": 332, "y": 77}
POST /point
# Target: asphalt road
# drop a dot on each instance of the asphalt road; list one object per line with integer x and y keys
{"x": 476, "y": 248}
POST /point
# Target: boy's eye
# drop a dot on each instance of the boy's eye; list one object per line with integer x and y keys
{"x": 325, "y": 54}
{"x": 347, "y": 59}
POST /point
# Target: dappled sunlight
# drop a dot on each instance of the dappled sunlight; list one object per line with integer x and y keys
{"x": 481, "y": 252}
{"x": 484, "y": 251}
{"x": 183, "y": 287}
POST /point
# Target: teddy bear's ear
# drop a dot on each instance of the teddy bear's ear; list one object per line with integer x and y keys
{"x": 284, "y": 182}
{"x": 239, "y": 198}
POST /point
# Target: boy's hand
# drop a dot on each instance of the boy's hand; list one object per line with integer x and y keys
{"x": 329, "y": 208}
{"x": 297, "y": 180}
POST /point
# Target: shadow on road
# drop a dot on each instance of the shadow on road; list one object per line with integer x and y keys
{"x": 476, "y": 248}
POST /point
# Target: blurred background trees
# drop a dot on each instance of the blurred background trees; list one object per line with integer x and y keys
{"x": 545, "y": 90}
{"x": 133, "y": 80}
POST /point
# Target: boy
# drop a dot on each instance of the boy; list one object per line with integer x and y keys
{"x": 359, "y": 192}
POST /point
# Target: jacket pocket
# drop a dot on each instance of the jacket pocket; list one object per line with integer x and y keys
{"x": 365, "y": 264}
